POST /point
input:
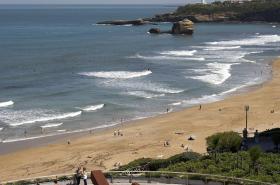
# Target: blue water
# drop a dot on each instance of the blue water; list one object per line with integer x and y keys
{"x": 61, "y": 72}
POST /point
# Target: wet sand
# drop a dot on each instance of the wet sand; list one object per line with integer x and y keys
{"x": 145, "y": 138}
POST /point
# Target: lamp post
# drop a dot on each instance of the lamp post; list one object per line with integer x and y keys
{"x": 246, "y": 110}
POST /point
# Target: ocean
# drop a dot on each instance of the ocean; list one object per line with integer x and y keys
{"x": 61, "y": 72}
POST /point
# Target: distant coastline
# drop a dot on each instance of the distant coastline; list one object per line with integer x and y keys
{"x": 248, "y": 11}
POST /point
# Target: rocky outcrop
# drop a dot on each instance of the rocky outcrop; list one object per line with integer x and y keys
{"x": 154, "y": 31}
{"x": 136, "y": 22}
{"x": 170, "y": 17}
{"x": 183, "y": 27}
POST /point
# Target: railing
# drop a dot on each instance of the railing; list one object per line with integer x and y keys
{"x": 164, "y": 177}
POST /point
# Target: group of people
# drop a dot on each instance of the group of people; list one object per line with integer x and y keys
{"x": 118, "y": 133}
{"x": 81, "y": 174}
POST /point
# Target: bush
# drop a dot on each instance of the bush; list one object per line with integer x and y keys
{"x": 226, "y": 141}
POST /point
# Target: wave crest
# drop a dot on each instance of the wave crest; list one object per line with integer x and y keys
{"x": 218, "y": 73}
{"x": 17, "y": 118}
{"x": 6, "y": 104}
{"x": 144, "y": 94}
{"x": 50, "y": 125}
{"x": 180, "y": 53}
{"x": 166, "y": 57}
{"x": 256, "y": 40}
{"x": 93, "y": 107}
{"x": 117, "y": 74}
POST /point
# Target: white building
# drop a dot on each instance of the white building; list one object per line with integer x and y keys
{"x": 203, "y": 2}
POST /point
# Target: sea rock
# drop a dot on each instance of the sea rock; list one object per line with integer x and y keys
{"x": 136, "y": 22}
{"x": 183, "y": 27}
{"x": 154, "y": 30}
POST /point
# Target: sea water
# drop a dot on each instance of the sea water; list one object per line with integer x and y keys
{"x": 61, "y": 72}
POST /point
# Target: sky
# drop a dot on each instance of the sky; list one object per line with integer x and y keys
{"x": 99, "y": 1}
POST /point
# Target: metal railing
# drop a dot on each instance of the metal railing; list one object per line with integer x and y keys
{"x": 164, "y": 177}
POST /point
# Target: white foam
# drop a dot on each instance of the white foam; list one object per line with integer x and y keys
{"x": 50, "y": 125}
{"x": 144, "y": 94}
{"x": 58, "y": 132}
{"x": 165, "y": 57}
{"x": 180, "y": 53}
{"x": 93, "y": 107}
{"x": 252, "y": 82}
{"x": 6, "y": 104}
{"x": 44, "y": 118}
{"x": 255, "y": 40}
{"x": 218, "y": 48}
{"x": 117, "y": 74}
{"x": 176, "y": 103}
{"x": 1, "y": 128}
{"x": 203, "y": 99}
{"x": 61, "y": 130}
{"x": 141, "y": 86}
{"x": 218, "y": 73}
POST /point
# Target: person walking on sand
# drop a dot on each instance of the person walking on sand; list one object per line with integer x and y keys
{"x": 78, "y": 175}
{"x": 84, "y": 176}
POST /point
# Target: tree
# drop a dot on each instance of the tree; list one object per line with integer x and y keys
{"x": 255, "y": 153}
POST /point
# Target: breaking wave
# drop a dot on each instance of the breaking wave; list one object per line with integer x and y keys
{"x": 117, "y": 74}
{"x": 141, "y": 86}
{"x": 218, "y": 73}
{"x": 6, "y": 104}
{"x": 165, "y": 57}
{"x": 176, "y": 103}
{"x": 17, "y": 118}
{"x": 255, "y": 40}
{"x": 144, "y": 94}
{"x": 92, "y": 107}
{"x": 179, "y": 53}
{"x": 218, "y": 48}
{"x": 50, "y": 125}
{"x": 203, "y": 99}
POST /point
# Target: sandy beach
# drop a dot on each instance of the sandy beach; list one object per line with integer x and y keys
{"x": 145, "y": 138}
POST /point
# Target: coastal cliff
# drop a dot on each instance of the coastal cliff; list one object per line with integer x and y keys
{"x": 248, "y": 11}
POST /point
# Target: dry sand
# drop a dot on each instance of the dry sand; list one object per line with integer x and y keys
{"x": 145, "y": 138}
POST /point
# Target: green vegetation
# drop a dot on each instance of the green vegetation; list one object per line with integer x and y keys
{"x": 224, "y": 158}
{"x": 226, "y": 142}
{"x": 226, "y": 164}
{"x": 256, "y": 10}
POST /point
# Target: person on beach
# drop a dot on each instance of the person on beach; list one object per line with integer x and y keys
{"x": 55, "y": 182}
{"x": 78, "y": 175}
{"x": 84, "y": 175}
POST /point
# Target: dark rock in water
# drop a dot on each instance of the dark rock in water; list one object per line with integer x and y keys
{"x": 154, "y": 30}
{"x": 183, "y": 27}
{"x": 136, "y": 22}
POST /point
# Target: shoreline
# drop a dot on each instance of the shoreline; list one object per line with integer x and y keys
{"x": 17, "y": 144}
{"x": 145, "y": 137}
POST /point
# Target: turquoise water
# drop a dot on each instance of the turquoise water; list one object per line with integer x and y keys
{"x": 61, "y": 72}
